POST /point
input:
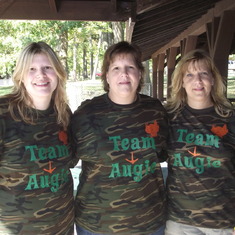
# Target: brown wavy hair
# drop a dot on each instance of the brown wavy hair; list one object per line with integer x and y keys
{"x": 122, "y": 48}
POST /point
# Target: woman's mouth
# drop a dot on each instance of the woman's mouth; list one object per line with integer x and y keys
{"x": 41, "y": 83}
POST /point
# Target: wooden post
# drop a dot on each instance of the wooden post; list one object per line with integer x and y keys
{"x": 160, "y": 77}
{"x": 171, "y": 61}
{"x": 154, "y": 86}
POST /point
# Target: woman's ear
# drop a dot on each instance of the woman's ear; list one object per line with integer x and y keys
{"x": 107, "y": 78}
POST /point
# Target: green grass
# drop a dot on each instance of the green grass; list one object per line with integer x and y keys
{"x": 231, "y": 88}
{"x": 5, "y": 90}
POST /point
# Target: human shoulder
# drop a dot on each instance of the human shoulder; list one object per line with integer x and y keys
{"x": 232, "y": 121}
{"x": 89, "y": 105}
{"x": 148, "y": 100}
{"x": 4, "y": 115}
{"x": 4, "y": 104}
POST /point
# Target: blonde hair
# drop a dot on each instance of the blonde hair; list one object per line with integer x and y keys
{"x": 20, "y": 99}
{"x": 178, "y": 98}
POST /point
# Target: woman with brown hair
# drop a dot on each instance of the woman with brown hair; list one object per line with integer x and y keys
{"x": 120, "y": 138}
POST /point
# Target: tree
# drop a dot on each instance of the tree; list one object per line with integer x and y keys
{"x": 79, "y": 44}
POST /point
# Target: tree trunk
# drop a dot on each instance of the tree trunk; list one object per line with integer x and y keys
{"x": 118, "y": 31}
{"x": 97, "y": 56}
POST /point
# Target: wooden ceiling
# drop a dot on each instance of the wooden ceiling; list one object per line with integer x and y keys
{"x": 170, "y": 22}
{"x": 81, "y": 10}
{"x": 152, "y": 24}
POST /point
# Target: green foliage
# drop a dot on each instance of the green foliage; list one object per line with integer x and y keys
{"x": 76, "y": 43}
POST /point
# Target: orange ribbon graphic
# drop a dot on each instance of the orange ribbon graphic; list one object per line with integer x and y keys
{"x": 194, "y": 153}
{"x": 132, "y": 161}
{"x": 50, "y": 170}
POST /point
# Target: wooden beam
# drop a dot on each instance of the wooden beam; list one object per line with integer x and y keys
{"x": 154, "y": 85}
{"x": 5, "y": 5}
{"x": 53, "y": 5}
{"x": 160, "y": 77}
{"x": 171, "y": 61}
{"x": 182, "y": 45}
{"x": 114, "y": 5}
{"x": 191, "y": 43}
{"x": 130, "y": 23}
{"x": 211, "y": 31}
{"x": 223, "y": 42}
{"x": 83, "y": 10}
{"x": 143, "y": 5}
{"x": 129, "y": 29}
{"x": 199, "y": 26}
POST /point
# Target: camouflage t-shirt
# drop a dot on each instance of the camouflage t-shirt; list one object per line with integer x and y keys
{"x": 36, "y": 187}
{"x": 201, "y": 177}
{"x": 121, "y": 188}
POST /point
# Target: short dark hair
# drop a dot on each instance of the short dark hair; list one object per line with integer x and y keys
{"x": 119, "y": 48}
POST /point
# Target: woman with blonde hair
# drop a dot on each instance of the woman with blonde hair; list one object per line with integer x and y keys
{"x": 179, "y": 97}
{"x": 201, "y": 149}
{"x": 22, "y": 99}
{"x": 36, "y": 184}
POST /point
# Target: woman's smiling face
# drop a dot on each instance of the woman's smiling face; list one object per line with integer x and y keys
{"x": 198, "y": 82}
{"x": 123, "y": 77}
{"x": 41, "y": 79}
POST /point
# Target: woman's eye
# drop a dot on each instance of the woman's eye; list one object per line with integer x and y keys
{"x": 47, "y": 67}
{"x": 204, "y": 74}
{"x": 189, "y": 75}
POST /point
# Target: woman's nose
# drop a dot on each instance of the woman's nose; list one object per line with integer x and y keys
{"x": 40, "y": 72}
{"x": 197, "y": 77}
{"x": 124, "y": 71}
